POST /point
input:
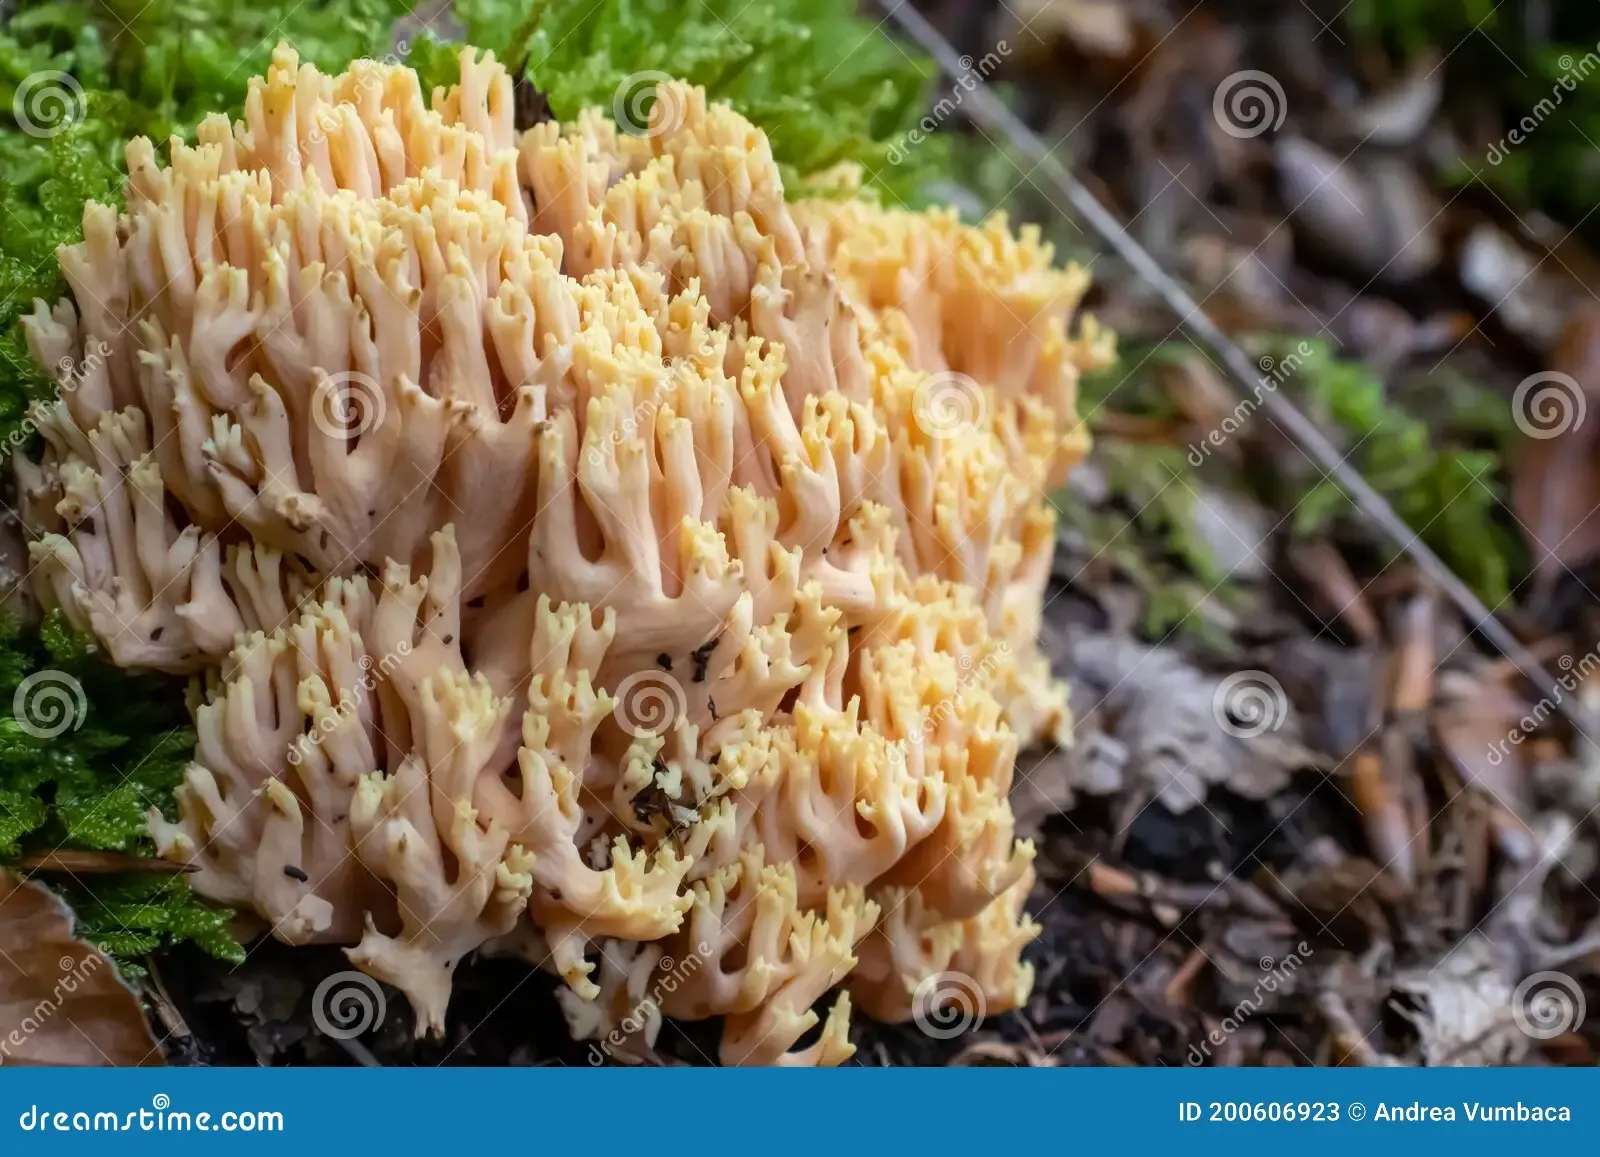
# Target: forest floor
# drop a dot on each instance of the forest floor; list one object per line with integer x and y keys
{"x": 1310, "y": 817}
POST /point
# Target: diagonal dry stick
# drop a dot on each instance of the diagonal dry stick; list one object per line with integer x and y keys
{"x": 995, "y": 116}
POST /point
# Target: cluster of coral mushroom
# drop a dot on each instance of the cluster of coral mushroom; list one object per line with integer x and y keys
{"x": 577, "y": 547}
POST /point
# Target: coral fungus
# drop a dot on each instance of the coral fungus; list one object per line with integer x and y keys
{"x": 576, "y": 545}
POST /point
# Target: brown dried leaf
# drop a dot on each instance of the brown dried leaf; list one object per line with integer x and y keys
{"x": 1555, "y": 482}
{"x": 1374, "y": 777}
{"x": 61, "y": 1001}
{"x": 1416, "y": 656}
{"x": 1335, "y": 893}
{"x": 1198, "y": 389}
{"x": 1477, "y": 725}
{"x": 1321, "y": 564}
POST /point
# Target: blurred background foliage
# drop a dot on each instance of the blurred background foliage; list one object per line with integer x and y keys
{"x": 1505, "y": 59}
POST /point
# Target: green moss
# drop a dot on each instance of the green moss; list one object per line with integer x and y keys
{"x": 93, "y": 746}
{"x": 85, "y": 751}
{"x": 1147, "y": 532}
{"x": 130, "y": 915}
{"x": 1550, "y": 88}
{"x": 824, "y": 84}
{"x": 1436, "y": 456}
{"x": 1410, "y": 26}
{"x": 1443, "y": 473}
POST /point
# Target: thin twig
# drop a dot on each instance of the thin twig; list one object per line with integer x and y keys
{"x": 987, "y": 110}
